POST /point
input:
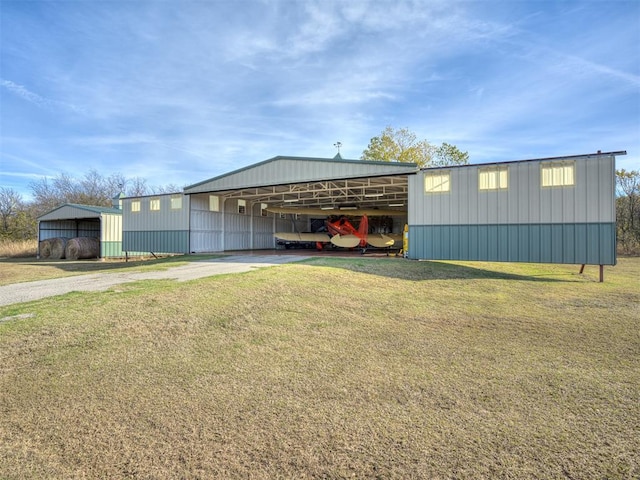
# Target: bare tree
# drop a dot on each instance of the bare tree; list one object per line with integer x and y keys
{"x": 170, "y": 188}
{"x": 137, "y": 187}
{"x": 10, "y": 203}
{"x": 628, "y": 209}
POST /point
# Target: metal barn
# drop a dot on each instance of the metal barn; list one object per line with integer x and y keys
{"x": 552, "y": 210}
{"x": 156, "y": 223}
{"x": 230, "y": 212}
{"x": 73, "y": 220}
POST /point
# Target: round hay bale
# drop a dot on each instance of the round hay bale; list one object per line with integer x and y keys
{"x": 82, "y": 247}
{"x": 45, "y": 248}
{"x": 58, "y": 246}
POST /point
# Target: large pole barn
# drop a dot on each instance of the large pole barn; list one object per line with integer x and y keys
{"x": 550, "y": 210}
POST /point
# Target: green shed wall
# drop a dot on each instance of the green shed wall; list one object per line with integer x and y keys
{"x": 173, "y": 241}
{"x": 588, "y": 243}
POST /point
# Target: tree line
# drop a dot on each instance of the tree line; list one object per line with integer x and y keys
{"x": 18, "y": 218}
{"x": 628, "y": 211}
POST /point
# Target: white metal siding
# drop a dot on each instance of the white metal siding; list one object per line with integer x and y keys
{"x": 229, "y": 230}
{"x": 111, "y": 228}
{"x": 165, "y": 219}
{"x": 237, "y": 235}
{"x": 525, "y": 201}
{"x": 206, "y": 226}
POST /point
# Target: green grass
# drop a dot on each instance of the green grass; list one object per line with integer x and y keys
{"x": 330, "y": 368}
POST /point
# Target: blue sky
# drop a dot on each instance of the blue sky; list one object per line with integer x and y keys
{"x": 180, "y": 91}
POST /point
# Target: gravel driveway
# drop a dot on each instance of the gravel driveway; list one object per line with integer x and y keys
{"x": 28, "y": 291}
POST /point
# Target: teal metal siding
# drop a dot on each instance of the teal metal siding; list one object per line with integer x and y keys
{"x": 111, "y": 249}
{"x": 173, "y": 241}
{"x": 588, "y": 243}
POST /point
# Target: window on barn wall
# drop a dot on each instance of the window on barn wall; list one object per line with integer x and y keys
{"x": 154, "y": 204}
{"x": 558, "y": 174}
{"x": 263, "y": 209}
{"x": 176, "y": 202}
{"x": 242, "y": 206}
{"x": 437, "y": 182}
{"x": 135, "y": 205}
{"x": 493, "y": 178}
{"x": 214, "y": 203}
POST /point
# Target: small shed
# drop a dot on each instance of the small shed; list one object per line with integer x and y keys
{"x": 73, "y": 220}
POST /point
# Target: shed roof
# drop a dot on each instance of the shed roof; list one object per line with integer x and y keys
{"x": 70, "y": 211}
{"x": 282, "y": 170}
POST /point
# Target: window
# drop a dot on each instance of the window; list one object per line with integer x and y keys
{"x": 135, "y": 205}
{"x": 437, "y": 182}
{"x": 263, "y": 209}
{"x": 176, "y": 202}
{"x": 214, "y": 203}
{"x": 154, "y": 204}
{"x": 558, "y": 174}
{"x": 242, "y": 206}
{"x": 493, "y": 178}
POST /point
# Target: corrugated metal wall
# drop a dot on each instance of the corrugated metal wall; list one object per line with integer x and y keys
{"x": 591, "y": 200}
{"x": 111, "y": 228}
{"x": 525, "y": 223}
{"x": 156, "y": 241}
{"x": 589, "y": 243}
{"x": 206, "y": 226}
{"x": 108, "y": 228}
{"x": 111, "y": 237}
{"x": 230, "y": 230}
{"x": 163, "y": 231}
{"x": 146, "y": 220}
{"x": 69, "y": 228}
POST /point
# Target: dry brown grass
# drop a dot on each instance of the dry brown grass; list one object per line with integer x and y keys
{"x": 331, "y": 369}
{"x": 18, "y": 249}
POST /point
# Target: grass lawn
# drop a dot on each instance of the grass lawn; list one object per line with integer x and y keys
{"x": 330, "y": 368}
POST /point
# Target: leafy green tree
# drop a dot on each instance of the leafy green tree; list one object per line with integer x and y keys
{"x": 402, "y": 145}
{"x": 447, "y": 154}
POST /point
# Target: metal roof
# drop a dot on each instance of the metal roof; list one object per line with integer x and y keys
{"x": 314, "y": 182}
{"x": 70, "y": 211}
{"x": 280, "y": 170}
{"x": 545, "y": 159}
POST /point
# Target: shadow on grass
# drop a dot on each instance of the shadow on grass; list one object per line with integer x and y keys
{"x": 436, "y": 270}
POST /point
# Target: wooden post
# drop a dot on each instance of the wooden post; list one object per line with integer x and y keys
{"x": 601, "y": 273}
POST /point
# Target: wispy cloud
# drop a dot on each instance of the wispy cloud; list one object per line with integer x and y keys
{"x": 22, "y": 92}
{"x": 188, "y": 93}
